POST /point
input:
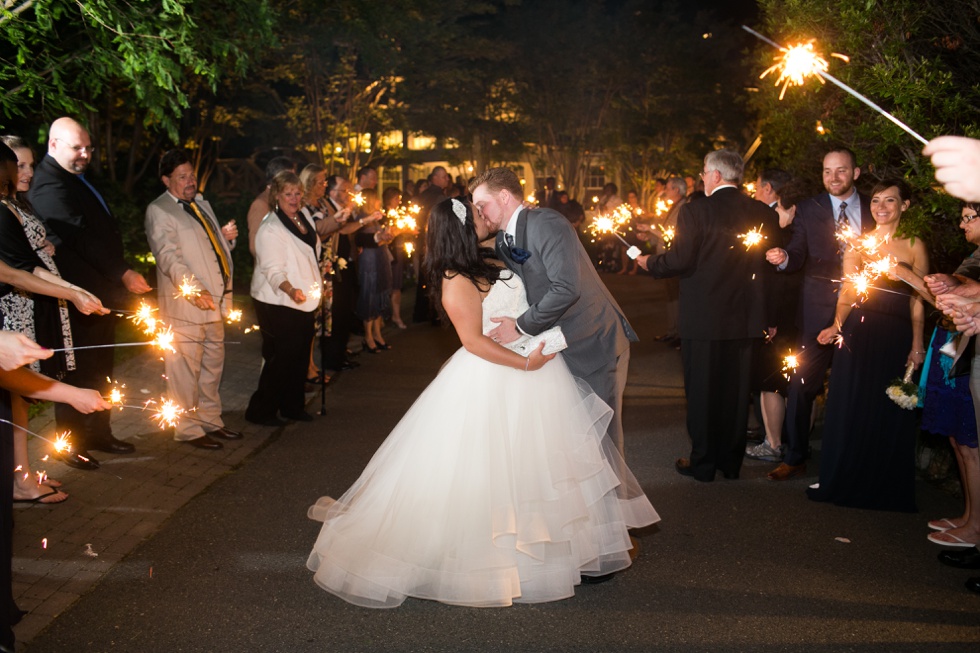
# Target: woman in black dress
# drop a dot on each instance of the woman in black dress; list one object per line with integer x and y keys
{"x": 868, "y": 454}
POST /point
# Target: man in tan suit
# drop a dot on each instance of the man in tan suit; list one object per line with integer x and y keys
{"x": 190, "y": 247}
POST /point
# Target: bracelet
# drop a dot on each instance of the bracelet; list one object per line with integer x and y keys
{"x": 527, "y": 362}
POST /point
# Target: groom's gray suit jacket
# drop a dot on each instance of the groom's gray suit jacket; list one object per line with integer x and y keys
{"x": 563, "y": 288}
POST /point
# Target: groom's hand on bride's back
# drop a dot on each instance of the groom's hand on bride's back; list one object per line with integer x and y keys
{"x": 505, "y": 331}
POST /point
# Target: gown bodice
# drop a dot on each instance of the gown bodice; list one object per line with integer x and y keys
{"x": 506, "y": 297}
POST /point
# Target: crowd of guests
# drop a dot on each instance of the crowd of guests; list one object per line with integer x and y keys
{"x": 739, "y": 321}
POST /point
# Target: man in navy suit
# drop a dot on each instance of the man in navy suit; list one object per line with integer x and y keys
{"x": 815, "y": 248}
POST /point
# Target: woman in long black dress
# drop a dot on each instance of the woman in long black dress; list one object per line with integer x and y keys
{"x": 868, "y": 454}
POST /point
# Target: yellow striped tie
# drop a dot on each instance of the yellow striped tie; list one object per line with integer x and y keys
{"x": 215, "y": 242}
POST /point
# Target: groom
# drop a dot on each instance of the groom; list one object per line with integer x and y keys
{"x": 562, "y": 287}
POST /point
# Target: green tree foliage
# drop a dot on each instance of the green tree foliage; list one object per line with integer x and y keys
{"x": 62, "y": 56}
{"x": 914, "y": 58}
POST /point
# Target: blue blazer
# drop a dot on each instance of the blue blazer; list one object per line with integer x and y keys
{"x": 814, "y": 248}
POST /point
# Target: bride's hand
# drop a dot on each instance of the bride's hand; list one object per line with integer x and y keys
{"x": 537, "y": 359}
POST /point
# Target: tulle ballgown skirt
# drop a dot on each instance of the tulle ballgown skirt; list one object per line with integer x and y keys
{"x": 497, "y": 486}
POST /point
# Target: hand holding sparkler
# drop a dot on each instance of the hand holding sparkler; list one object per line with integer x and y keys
{"x": 957, "y": 163}
{"x": 86, "y": 302}
{"x": 17, "y": 350}
{"x": 135, "y": 283}
{"x": 777, "y": 256}
{"x": 203, "y": 300}
{"x": 230, "y": 230}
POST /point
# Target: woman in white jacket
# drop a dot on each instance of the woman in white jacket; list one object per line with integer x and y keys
{"x": 286, "y": 292}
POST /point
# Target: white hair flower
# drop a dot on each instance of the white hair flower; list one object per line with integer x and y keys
{"x": 459, "y": 209}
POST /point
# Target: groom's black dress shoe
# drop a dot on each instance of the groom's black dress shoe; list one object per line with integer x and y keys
{"x": 204, "y": 442}
{"x": 595, "y": 580}
{"x": 961, "y": 558}
{"x": 224, "y": 434}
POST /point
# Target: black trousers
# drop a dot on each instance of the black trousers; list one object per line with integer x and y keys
{"x": 286, "y": 337}
{"x": 805, "y": 386}
{"x": 92, "y": 368}
{"x": 717, "y": 382}
{"x": 341, "y": 312}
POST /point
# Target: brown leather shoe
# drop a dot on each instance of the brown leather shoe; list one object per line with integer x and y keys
{"x": 785, "y": 472}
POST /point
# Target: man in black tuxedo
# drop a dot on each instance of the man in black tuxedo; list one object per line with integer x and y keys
{"x": 723, "y": 313}
{"x": 90, "y": 254}
{"x": 815, "y": 248}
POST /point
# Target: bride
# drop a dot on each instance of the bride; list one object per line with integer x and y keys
{"x": 499, "y": 485}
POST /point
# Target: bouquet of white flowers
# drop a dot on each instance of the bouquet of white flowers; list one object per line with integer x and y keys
{"x": 902, "y": 391}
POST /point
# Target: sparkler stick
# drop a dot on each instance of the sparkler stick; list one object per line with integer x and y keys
{"x": 818, "y": 69}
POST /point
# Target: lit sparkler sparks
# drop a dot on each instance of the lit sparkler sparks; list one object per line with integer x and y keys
{"x": 187, "y": 288}
{"x": 790, "y": 364}
{"x": 164, "y": 340}
{"x": 62, "y": 444}
{"x": 752, "y": 237}
{"x": 357, "y": 199}
{"x": 316, "y": 291}
{"x": 143, "y": 317}
{"x": 168, "y": 413}
{"x": 667, "y": 235}
{"x": 254, "y": 327}
{"x": 409, "y": 249}
{"x": 801, "y": 61}
{"x": 234, "y": 315}
{"x": 662, "y": 206}
{"x": 116, "y": 396}
{"x": 796, "y": 65}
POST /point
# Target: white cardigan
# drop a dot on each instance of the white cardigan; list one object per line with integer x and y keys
{"x": 281, "y": 256}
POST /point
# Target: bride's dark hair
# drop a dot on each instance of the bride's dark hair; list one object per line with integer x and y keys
{"x": 452, "y": 248}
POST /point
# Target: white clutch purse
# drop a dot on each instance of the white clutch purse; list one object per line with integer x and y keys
{"x": 553, "y": 339}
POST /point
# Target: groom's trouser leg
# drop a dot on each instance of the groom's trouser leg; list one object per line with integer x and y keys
{"x": 609, "y": 383}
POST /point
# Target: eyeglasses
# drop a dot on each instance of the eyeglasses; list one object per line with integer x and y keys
{"x": 90, "y": 149}
{"x": 704, "y": 172}
{"x": 967, "y": 219}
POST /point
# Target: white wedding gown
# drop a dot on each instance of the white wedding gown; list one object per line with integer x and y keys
{"x": 497, "y": 486}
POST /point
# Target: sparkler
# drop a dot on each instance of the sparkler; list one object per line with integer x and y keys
{"x": 357, "y": 199}
{"x": 801, "y": 61}
{"x": 234, "y": 315}
{"x": 164, "y": 340}
{"x": 790, "y": 364}
{"x": 667, "y": 235}
{"x": 752, "y": 237}
{"x": 409, "y": 248}
{"x": 187, "y": 289}
{"x": 316, "y": 290}
{"x": 662, "y": 206}
{"x": 168, "y": 414}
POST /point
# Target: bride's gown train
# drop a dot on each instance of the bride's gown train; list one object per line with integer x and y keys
{"x": 497, "y": 486}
